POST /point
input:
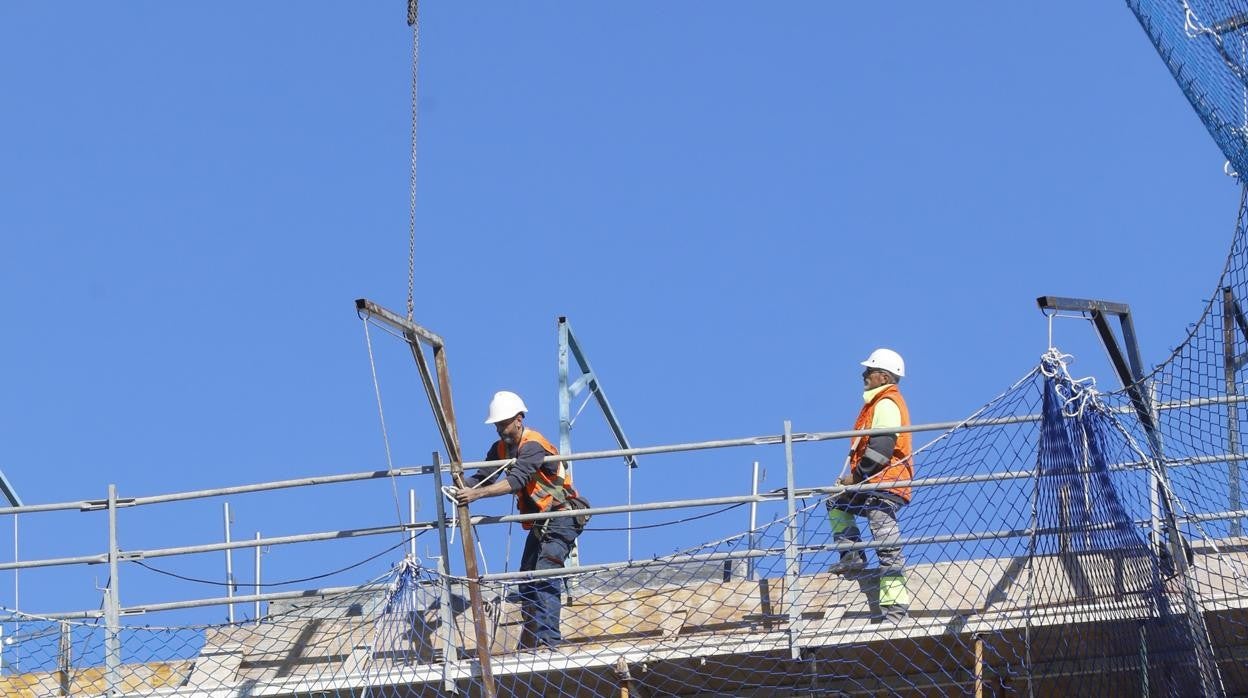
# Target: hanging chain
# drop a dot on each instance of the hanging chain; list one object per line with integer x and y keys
{"x": 413, "y": 20}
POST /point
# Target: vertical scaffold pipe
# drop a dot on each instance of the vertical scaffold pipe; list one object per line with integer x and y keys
{"x": 792, "y": 566}
{"x": 979, "y": 666}
{"x": 229, "y": 566}
{"x": 750, "y": 563}
{"x": 411, "y": 519}
{"x": 450, "y": 654}
{"x": 1202, "y": 644}
{"x": 64, "y": 658}
{"x": 1232, "y": 409}
{"x": 565, "y": 440}
{"x": 112, "y": 608}
{"x": 17, "y": 577}
{"x": 256, "y": 609}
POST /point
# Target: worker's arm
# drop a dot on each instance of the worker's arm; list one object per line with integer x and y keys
{"x": 467, "y": 495}
{"x": 528, "y": 460}
{"x": 486, "y": 475}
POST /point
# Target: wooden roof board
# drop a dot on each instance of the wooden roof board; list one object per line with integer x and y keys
{"x": 737, "y": 628}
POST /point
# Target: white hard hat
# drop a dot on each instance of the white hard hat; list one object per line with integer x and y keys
{"x": 888, "y": 360}
{"x": 504, "y": 406}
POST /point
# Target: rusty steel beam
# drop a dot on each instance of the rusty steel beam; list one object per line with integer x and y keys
{"x": 439, "y": 396}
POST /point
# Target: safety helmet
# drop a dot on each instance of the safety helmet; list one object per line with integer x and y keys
{"x": 504, "y": 406}
{"x": 888, "y": 360}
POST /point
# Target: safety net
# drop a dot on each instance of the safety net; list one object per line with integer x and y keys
{"x": 1060, "y": 540}
{"x": 1203, "y": 43}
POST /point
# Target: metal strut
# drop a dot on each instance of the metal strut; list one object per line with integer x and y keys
{"x": 569, "y": 348}
{"x": 1232, "y": 318}
{"x": 441, "y": 403}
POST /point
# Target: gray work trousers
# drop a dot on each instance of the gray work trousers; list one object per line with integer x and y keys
{"x": 881, "y": 515}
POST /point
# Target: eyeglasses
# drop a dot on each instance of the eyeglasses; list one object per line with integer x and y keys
{"x": 868, "y": 371}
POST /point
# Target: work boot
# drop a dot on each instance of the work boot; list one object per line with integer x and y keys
{"x": 892, "y": 614}
{"x": 852, "y": 563}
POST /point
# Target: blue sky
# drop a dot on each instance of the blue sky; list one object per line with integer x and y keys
{"x": 732, "y": 203}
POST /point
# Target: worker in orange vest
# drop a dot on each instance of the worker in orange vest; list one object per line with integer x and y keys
{"x": 879, "y": 458}
{"x": 538, "y": 487}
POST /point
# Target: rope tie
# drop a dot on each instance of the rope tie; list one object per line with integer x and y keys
{"x": 449, "y": 491}
{"x": 1077, "y": 393}
{"x": 1191, "y": 24}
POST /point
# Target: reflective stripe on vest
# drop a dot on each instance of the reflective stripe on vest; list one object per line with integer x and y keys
{"x": 543, "y": 491}
{"x": 900, "y": 466}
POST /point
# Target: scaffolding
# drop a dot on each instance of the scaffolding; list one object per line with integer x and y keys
{"x": 638, "y": 625}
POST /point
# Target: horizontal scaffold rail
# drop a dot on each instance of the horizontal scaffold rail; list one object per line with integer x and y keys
{"x": 413, "y": 527}
{"x": 765, "y": 440}
{"x": 763, "y": 497}
{"x": 804, "y": 550}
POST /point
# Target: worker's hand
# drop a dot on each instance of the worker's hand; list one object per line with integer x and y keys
{"x": 846, "y": 479}
{"x": 466, "y": 495}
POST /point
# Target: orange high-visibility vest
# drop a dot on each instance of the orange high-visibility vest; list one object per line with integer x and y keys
{"x": 543, "y": 491}
{"x": 900, "y": 466}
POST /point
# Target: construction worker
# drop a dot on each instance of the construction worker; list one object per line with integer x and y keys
{"x": 538, "y": 487}
{"x": 879, "y": 458}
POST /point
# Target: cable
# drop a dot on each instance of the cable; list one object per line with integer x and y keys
{"x": 671, "y": 523}
{"x": 185, "y": 578}
{"x": 381, "y": 415}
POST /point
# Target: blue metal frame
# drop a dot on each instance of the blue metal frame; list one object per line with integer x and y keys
{"x": 569, "y": 347}
{"x": 6, "y": 488}
{"x": 587, "y": 379}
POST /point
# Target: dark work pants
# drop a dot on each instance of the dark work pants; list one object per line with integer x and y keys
{"x": 546, "y": 548}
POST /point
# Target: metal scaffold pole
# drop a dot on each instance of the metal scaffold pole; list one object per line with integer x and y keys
{"x": 229, "y": 564}
{"x": 411, "y": 519}
{"x": 258, "y": 585}
{"x": 112, "y": 602}
{"x": 570, "y": 349}
{"x": 792, "y": 564}
{"x": 450, "y": 653}
{"x": 1230, "y": 365}
{"x": 64, "y": 657}
{"x": 750, "y": 563}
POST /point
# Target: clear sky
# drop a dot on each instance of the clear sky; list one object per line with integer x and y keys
{"x": 733, "y": 203}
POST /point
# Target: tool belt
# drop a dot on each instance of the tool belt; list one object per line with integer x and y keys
{"x": 579, "y": 502}
{"x": 542, "y": 528}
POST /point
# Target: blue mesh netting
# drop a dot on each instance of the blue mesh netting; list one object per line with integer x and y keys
{"x": 1203, "y": 43}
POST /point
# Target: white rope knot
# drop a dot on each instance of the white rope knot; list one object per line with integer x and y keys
{"x": 1076, "y": 393}
{"x": 1191, "y": 24}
